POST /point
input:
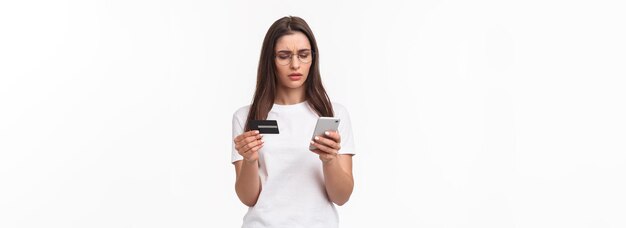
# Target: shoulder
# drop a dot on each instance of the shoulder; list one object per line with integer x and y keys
{"x": 339, "y": 109}
{"x": 242, "y": 112}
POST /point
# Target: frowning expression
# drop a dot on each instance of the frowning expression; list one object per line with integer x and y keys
{"x": 293, "y": 58}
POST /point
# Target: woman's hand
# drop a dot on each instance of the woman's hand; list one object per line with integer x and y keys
{"x": 248, "y": 185}
{"x": 328, "y": 146}
{"x": 248, "y": 144}
{"x": 337, "y": 169}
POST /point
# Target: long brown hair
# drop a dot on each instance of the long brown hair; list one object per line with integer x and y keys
{"x": 267, "y": 77}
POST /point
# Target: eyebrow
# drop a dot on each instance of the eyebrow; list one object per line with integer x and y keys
{"x": 289, "y": 51}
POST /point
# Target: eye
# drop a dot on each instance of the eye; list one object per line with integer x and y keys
{"x": 283, "y": 56}
{"x": 304, "y": 55}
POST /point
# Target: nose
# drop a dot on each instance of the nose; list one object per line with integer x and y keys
{"x": 295, "y": 62}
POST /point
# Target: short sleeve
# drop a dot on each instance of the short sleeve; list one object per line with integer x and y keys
{"x": 237, "y": 130}
{"x": 345, "y": 130}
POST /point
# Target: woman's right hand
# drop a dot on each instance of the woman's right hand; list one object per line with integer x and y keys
{"x": 248, "y": 144}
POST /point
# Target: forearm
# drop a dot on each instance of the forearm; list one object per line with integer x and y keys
{"x": 339, "y": 183}
{"x": 248, "y": 185}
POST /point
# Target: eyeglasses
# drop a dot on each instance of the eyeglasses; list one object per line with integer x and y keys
{"x": 285, "y": 57}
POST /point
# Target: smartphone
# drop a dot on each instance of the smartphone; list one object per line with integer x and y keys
{"x": 324, "y": 124}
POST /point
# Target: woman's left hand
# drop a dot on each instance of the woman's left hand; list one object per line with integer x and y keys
{"x": 328, "y": 145}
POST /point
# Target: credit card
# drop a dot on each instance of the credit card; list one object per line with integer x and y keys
{"x": 264, "y": 126}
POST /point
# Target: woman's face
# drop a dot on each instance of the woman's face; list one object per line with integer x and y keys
{"x": 293, "y": 59}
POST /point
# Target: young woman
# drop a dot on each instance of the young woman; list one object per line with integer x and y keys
{"x": 283, "y": 183}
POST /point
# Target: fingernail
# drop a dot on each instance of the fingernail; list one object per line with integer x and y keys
{"x": 327, "y": 133}
{"x": 317, "y": 138}
{"x": 256, "y": 132}
{"x": 312, "y": 142}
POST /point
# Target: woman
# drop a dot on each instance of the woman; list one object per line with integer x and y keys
{"x": 283, "y": 183}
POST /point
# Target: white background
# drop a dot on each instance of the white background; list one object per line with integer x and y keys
{"x": 466, "y": 113}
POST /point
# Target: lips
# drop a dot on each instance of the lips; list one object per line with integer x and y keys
{"x": 295, "y": 76}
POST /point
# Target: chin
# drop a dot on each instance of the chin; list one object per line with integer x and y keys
{"x": 294, "y": 84}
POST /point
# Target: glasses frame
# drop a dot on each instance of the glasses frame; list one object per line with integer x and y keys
{"x": 291, "y": 58}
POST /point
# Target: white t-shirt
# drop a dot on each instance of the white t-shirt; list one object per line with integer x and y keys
{"x": 292, "y": 181}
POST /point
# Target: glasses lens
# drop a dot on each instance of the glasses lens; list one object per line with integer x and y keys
{"x": 305, "y": 57}
{"x": 283, "y": 58}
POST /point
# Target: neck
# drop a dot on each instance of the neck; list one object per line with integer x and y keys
{"x": 289, "y": 96}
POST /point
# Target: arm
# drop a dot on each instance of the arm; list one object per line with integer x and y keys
{"x": 338, "y": 178}
{"x": 248, "y": 184}
{"x": 337, "y": 168}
